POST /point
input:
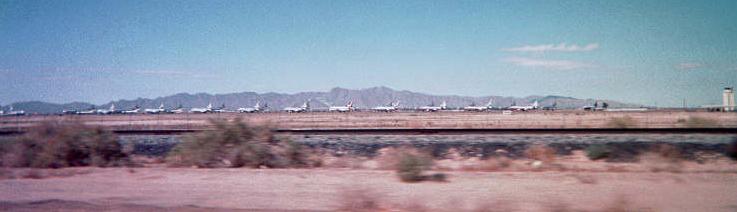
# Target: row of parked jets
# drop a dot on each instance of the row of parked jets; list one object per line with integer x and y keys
{"x": 430, "y": 108}
{"x": 391, "y": 107}
{"x": 12, "y": 112}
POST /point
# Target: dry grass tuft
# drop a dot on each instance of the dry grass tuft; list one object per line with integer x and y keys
{"x": 540, "y": 152}
{"x": 622, "y": 122}
{"x": 237, "y": 144}
{"x": 489, "y": 165}
{"x": 359, "y": 200}
{"x": 696, "y": 122}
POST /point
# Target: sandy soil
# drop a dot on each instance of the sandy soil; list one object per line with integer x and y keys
{"x": 330, "y": 189}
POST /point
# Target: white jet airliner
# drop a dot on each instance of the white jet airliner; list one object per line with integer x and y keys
{"x": 108, "y": 111}
{"x": 135, "y": 110}
{"x": 12, "y": 112}
{"x": 208, "y": 109}
{"x": 254, "y": 109}
{"x": 155, "y": 110}
{"x": 534, "y": 106}
{"x": 479, "y": 108}
{"x": 433, "y": 108}
{"x": 347, "y": 108}
{"x": 304, "y": 108}
{"x": 391, "y": 107}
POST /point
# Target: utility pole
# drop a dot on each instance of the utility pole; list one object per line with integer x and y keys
{"x": 684, "y": 104}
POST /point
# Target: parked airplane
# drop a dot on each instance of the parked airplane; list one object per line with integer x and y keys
{"x": 179, "y": 109}
{"x": 534, "y": 106}
{"x": 108, "y": 111}
{"x": 208, "y": 109}
{"x": 254, "y": 109}
{"x": 155, "y": 110}
{"x": 347, "y": 108}
{"x": 433, "y": 108}
{"x": 90, "y": 111}
{"x": 479, "y": 108}
{"x": 387, "y": 108}
{"x": 12, "y": 112}
{"x": 135, "y": 110}
{"x": 220, "y": 109}
{"x": 304, "y": 108}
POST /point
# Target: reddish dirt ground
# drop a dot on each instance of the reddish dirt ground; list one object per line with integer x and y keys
{"x": 152, "y": 189}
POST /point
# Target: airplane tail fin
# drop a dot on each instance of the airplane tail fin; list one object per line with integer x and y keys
{"x": 306, "y": 105}
{"x": 443, "y": 105}
{"x": 535, "y": 104}
{"x": 350, "y": 104}
{"x": 209, "y": 106}
{"x": 258, "y": 104}
{"x": 112, "y": 107}
{"x": 491, "y": 102}
{"x": 161, "y": 106}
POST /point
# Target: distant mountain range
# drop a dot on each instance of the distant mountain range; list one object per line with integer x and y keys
{"x": 362, "y": 98}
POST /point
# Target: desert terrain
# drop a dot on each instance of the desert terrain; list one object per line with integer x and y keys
{"x": 344, "y": 189}
{"x": 564, "y": 119}
{"x": 566, "y": 183}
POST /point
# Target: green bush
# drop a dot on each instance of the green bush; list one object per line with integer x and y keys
{"x": 411, "y": 166}
{"x": 598, "y": 151}
{"x": 236, "y": 144}
{"x": 56, "y": 145}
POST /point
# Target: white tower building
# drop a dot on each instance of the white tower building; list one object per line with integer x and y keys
{"x": 728, "y": 99}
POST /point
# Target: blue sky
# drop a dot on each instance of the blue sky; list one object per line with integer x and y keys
{"x": 648, "y": 52}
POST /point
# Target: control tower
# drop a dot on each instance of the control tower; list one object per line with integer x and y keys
{"x": 728, "y": 99}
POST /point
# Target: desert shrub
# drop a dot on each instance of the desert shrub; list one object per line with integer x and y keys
{"x": 56, "y": 145}
{"x": 411, "y": 166}
{"x": 700, "y": 122}
{"x": 622, "y": 122}
{"x": 663, "y": 158}
{"x": 438, "y": 177}
{"x": 540, "y": 152}
{"x": 732, "y": 150}
{"x": 237, "y": 144}
{"x": 598, "y": 151}
{"x": 669, "y": 152}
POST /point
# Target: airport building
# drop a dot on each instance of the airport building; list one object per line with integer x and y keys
{"x": 728, "y": 99}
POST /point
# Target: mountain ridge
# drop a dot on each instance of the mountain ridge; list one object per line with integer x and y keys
{"x": 361, "y": 98}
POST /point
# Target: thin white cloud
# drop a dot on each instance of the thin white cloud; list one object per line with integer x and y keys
{"x": 174, "y": 73}
{"x": 562, "y": 47}
{"x": 689, "y": 66}
{"x": 547, "y": 64}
